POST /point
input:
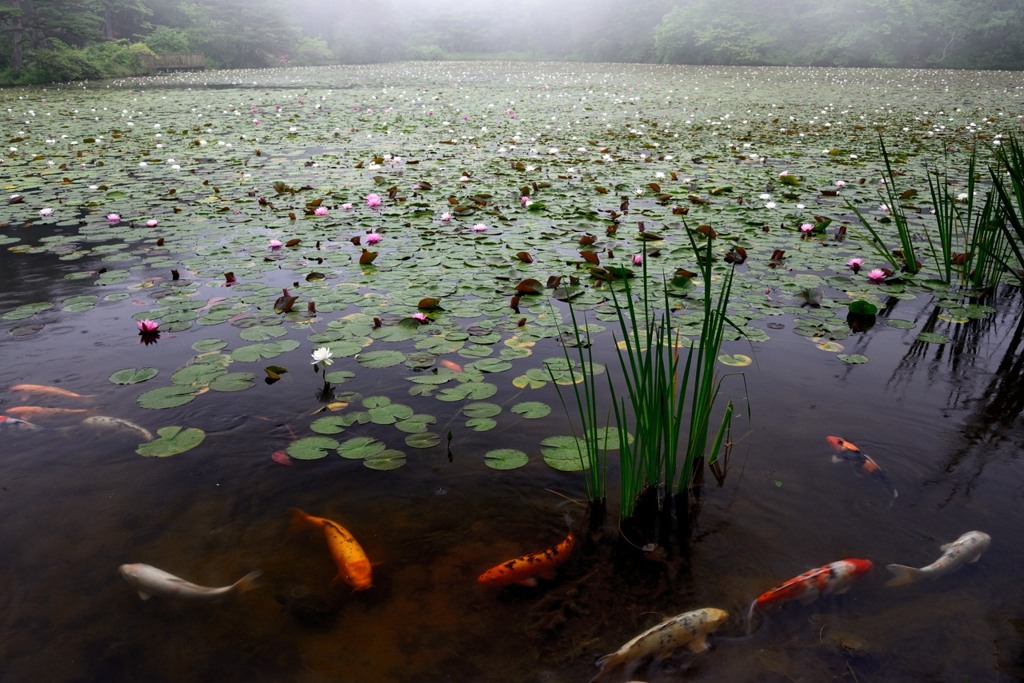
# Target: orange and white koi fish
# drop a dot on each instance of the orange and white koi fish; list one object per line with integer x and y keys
{"x": 964, "y": 550}
{"x": 42, "y": 411}
{"x": 15, "y": 423}
{"x": 846, "y": 451}
{"x": 690, "y": 629}
{"x": 525, "y": 570}
{"x": 48, "y": 391}
{"x": 832, "y": 579}
{"x": 353, "y": 565}
{"x": 450, "y": 364}
{"x": 150, "y": 581}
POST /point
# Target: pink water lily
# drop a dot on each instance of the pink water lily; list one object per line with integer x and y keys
{"x": 373, "y": 200}
{"x": 320, "y": 211}
{"x": 421, "y": 317}
{"x": 876, "y": 275}
{"x": 445, "y": 217}
{"x": 148, "y": 326}
{"x": 347, "y": 206}
{"x": 638, "y": 259}
{"x": 855, "y": 264}
{"x": 45, "y": 213}
{"x": 806, "y": 228}
{"x": 372, "y": 238}
{"x": 152, "y": 223}
{"x": 275, "y": 244}
{"x": 113, "y": 218}
{"x": 525, "y": 201}
{"x": 479, "y": 227}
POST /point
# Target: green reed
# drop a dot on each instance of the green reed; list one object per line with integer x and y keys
{"x": 1009, "y": 216}
{"x": 660, "y": 385}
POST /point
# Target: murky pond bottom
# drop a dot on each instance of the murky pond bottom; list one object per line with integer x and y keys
{"x": 77, "y": 502}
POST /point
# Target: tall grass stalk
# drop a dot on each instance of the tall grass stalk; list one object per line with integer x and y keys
{"x": 1010, "y": 214}
{"x": 660, "y": 384}
{"x": 592, "y": 453}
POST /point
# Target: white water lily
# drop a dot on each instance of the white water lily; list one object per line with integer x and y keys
{"x": 323, "y": 356}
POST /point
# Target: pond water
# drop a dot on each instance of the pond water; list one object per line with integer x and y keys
{"x": 940, "y": 416}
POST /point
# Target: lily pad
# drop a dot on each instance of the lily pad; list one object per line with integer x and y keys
{"x": 133, "y": 375}
{"x": 852, "y": 358}
{"x": 166, "y": 397}
{"x": 505, "y": 459}
{"x": 389, "y": 459}
{"x": 172, "y": 441}
{"x": 312, "y": 447}
{"x": 532, "y": 410}
{"x": 933, "y": 338}
{"x": 422, "y": 440}
{"x": 360, "y": 447}
{"x": 380, "y": 359}
{"x": 737, "y": 360}
{"x": 331, "y": 424}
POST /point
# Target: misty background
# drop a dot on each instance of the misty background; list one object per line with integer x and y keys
{"x": 59, "y": 40}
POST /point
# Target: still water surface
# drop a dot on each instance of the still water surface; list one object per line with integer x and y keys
{"x": 75, "y": 504}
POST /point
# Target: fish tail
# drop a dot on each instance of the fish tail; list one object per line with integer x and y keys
{"x": 298, "y": 518}
{"x": 250, "y": 581}
{"x": 750, "y": 617}
{"x": 903, "y": 575}
{"x": 607, "y": 663}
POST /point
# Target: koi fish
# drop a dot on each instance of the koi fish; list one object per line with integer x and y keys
{"x": 831, "y": 579}
{"x": 523, "y": 571}
{"x": 41, "y": 411}
{"x": 690, "y": 629}
{"x": 15, "y": 423}
{"x": 150, "y": 581}
{"x": 353, "y": 565}
{"x": 450, "y": 364}
{"x": 964, "y": 550}
{"x": 117, "y": 423}
{"x": 48, "y": 391}
{"x": 865, "y": 465}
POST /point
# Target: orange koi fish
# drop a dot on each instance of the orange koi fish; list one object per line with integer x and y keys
{"x": 523, "y": 571}
{"x": 353, "y": 565}
{"x": 41, "y": 411}
{"x": 831, "y": 579}
{"x": 865, "y": 465}
{"x": 450, "y": 364}
{"x": 48, "y": 391}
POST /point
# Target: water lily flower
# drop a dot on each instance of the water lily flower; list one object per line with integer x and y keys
{"x": 373, "y": 200}
{"x": 525, "y": 201}
{"x": 347, "y": 206}
{"x": 421, "y": 317}
{"x": 840, "y": 184}
{"x": 113, "y": 218}
{"x": 479, "y": 227}
{"x": 323, "y": 356}
{"x": 855, "y": 264}
{"x": 806, "y": 228}
{"x": 445, "y": 217}
{"x": 152, "y": 223}
{"x": 275, "y": 244}
{"x": 638, "y": 259}
{"x": 372, "y": 238}
{"x": 320, "y": 211}
{"x": 769, "y": 205}
{"x": 45, "y": 213}
{"x": 148, "y": 326}
{"x": 876, "y": 275}
{"x": 884, "y": 208}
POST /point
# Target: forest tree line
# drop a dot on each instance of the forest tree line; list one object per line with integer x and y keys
{"x": 63, "y": 40}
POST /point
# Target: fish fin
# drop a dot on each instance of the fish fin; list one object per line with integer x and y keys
{"x": 945, "y": 546}
{"x": 298, "y": 519}
{"x": 809, "y": 596}
{"x": 531, "y": 582}
{"x": 144, "y": 595}
{"x": 250, "y": 581}
{"x": 836, "y": 458}
{"x": 903, "y": 575}
{"x": 841, "y": 590}
{"x": 977, "y": 556}
{"x": 547, "y": 573}
{"x": 608, "y": 663}
{"x": 750, "y": 617}
{"x": 699, "y": 644}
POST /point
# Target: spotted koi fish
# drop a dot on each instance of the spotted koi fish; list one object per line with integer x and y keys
{"x": 846, "y": 451}
{"x": 690, "y": 629}
{"x": 525, "y": 570}
{"x": 964, "y": 550}
{"x": 832, "y": 579}
{"x": 353, "y": 565}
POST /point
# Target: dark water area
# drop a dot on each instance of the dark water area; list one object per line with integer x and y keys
{"x": 76, "y": 502}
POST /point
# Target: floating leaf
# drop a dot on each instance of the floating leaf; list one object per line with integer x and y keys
{"x": 564, "y": 453}
{"x": 735, "y": 359}
{"x": 380, "y": 359}
{"x": 529, "y": 286}
{"x": 133, "y": 375}
{"x": 505, "y": 459}
{"x": 275, "y": 371}
{"x": 472, "y": 390}
{"x": 481, "y": 424}
{"x": 933, "y": 338}
{"x": 852, "y": 358}
{"x": 233, "y": 381}
{"x": 416, "y": 423}
{"x": 831, "y": 346}
{"x": 900, "y": 323}
{"x": 312, "y": 447}
{"x": 385, "y": 460}
{"x": 360, "y": 447}
{"x": 862, "y": 307}
{"x": 428, "y": 303}
{"x": 172, "y": 441}
{"x": 531, "y": 410}
{"x": 481, "y": 409}
{"x": 422, "y": 440}
{"x": 332, "y": 424}
{"x": 165, "y": 397}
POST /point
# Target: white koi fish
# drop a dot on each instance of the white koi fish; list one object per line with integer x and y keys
{"x": 112, "y": 423}
{"x": 15, "y": 423}
{"x": 964, "y": 550}
{"x": 690, "y": 629}
{"x": 150, "y": 581}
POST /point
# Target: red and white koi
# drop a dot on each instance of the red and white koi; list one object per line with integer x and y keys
{"x": 353, "y": 566}
{"x": 848, "y": 452}
{"x": 525, "y": 570}
{"x": 964, "y": 550}
{"x": 831, "y": 579}
{"x": 150, "y": 581}
{"x": 690, "y": 629}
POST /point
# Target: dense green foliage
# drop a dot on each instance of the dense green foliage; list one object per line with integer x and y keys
{"x": 44, "y": 40}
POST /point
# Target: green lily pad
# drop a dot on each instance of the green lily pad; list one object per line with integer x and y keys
{"x": 564, "y": 453}
{"x": 532, "y": 410}
{"x": 311, "y": 447}
{"x": 165, "y": 397}
{"x": 416, "y": 423}
{"x": 133, "y": 375}
{"x": 481, "y": 424}
{"x": 505, "y": 459}
{"x": 207, "y": 345}
{"x": 331, "y": 424}
{"x": 480, "y": 409}
{"x": 933, "y": 338}
{"x": 470, "y": 390}
{"x": 737, "y": 360}
{"x": 389, "y": 459}
{"x": 172, "y": 441}
{"x": 360, "y": 447}
{"x": 423, "y": 440}
{"x": 233, "y": 381}
{"x": 380, "y": 359}
{"x": 901, "y": 324}
{"x": 27, "y": 310}
{"x": 852, "y": 358}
